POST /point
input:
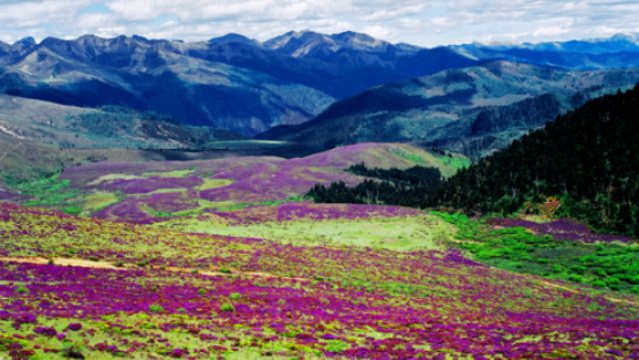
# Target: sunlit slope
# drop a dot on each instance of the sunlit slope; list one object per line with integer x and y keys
{"x": 134, "y": 190}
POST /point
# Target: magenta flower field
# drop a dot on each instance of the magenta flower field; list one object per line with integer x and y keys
{"x": 165, "y": 294}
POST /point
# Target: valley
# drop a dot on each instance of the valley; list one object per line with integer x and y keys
{"x": 318, "y": 196}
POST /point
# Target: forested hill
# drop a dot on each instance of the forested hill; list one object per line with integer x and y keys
{"x": 589, "y": 158}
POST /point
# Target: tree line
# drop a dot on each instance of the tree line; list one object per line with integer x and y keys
{"x": 588, "y": 158}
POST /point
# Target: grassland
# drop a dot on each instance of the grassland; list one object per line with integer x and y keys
{"x": 421, "y": 232}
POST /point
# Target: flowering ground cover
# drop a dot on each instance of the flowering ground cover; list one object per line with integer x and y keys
{"x": 566, "y": 229}
{"x": 243, "y": 298}
{"x": 137, "y": 191}
{"x": 561, "y": 249}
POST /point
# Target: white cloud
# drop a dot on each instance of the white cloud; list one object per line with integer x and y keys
{"x": 421, "y": 22}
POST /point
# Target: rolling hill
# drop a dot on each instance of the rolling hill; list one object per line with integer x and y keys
{"x": 129, "y": 188}
{"x": 475, "y": 110}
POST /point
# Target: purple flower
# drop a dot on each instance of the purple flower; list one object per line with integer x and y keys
{"x": 75, "y": 327}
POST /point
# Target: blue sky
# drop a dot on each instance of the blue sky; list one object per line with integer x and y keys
{"x": 420, "y": 22}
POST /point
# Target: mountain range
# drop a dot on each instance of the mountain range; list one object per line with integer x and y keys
{"x": 474, "y": 110}
{"x": 230, "y": 82}
{"x": 241, "y": 84}
{"x": 247, "y": 86}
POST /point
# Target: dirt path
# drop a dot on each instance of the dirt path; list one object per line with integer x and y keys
{"x": 126, "y": 267}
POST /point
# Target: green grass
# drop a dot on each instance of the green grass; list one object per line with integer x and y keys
{"x": 455, "y": 162}
{"x": 214, "y": 183}
{"x": 97, "y": 201}
{"x": 612, "y": 266}
{"x": 399, "y": 233}
{"x": 170, "y": 174}
{"x": 48, "y": 192}
{"x": 408, "y": 155}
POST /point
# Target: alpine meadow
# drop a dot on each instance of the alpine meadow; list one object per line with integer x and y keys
{"x": 465, "y": 189}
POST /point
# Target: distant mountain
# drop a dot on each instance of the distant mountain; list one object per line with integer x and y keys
{"x": 614, "y": 44}
{"x": 27, "y": 41}
{"x": 356, "y": 49}
{"x": 162, "y": 76}
{"x": 619, "y": 51}
{"x": 236, "y": 83}
{"x": 236, "y": 38}
{"x": 475, "y": 110}
{"x": 229, "y": 82}
{"x": 587, "y": 158}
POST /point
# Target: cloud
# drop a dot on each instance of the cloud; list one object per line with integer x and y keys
{"x": 421, "y": 22}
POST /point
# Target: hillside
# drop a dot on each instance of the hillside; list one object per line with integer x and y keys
{"x": 475, "y": 110}
{"x": 135, "y": 290}
{"x": 106, "y": 127}
{"x": 586, "y": 158}
{"x": 126, "y": 188}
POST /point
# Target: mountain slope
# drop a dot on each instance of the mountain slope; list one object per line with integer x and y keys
{"x": 142, "y": 74}
{"x": 474, "y": 110}
{"x": 107, "y": 127}
{"x": 230, "y": 82}
{"x": 587, "y": 157}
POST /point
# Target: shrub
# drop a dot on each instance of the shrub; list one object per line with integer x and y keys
{"x": 156, "y": 308}
{"x": 225, "y": 270}
{"x": 575, "y": 278}
{"x": 635, "y": 280}
{"x": 578, "y": 269}
{"x": 601, "y": 272}
{"x": 227, "y": 307}
{"x": 613, "y": 281}
{"x": 235, "y": 296}
{"x": 635, "y": 289}
{"x": 22, "y": 290}
{"x": 201, "y": 291}
{"x": 557, "y": 268}
{"x": 599, "y": 284}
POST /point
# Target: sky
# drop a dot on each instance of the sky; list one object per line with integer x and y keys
{"x": 425, "y": 23}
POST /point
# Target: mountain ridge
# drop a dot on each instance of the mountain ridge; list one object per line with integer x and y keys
{"x": 237, "y": 83}
{"x": 441, "y": 109}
